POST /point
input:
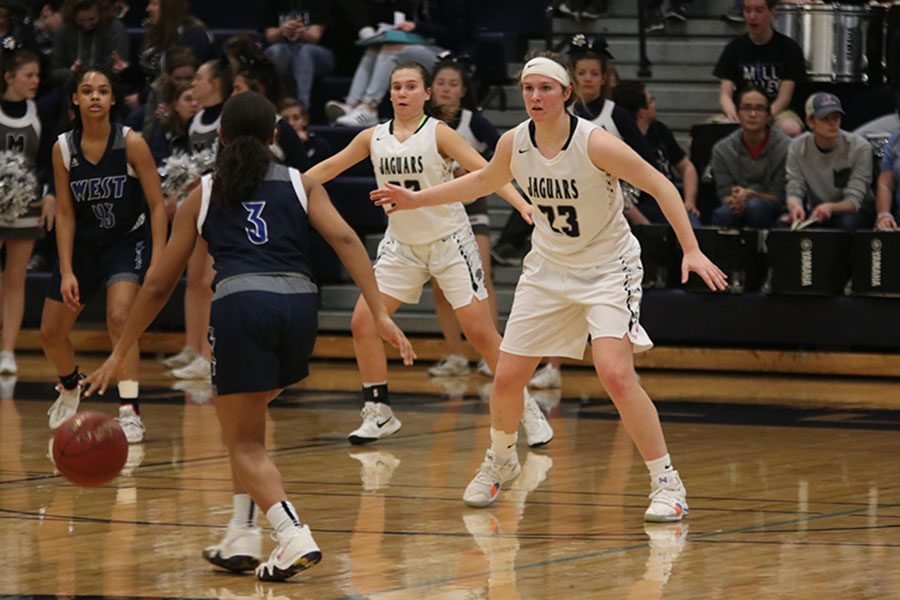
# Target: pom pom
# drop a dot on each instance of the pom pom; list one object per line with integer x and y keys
{"x": 181, "y": 172}
{"x": 18, "y": 186}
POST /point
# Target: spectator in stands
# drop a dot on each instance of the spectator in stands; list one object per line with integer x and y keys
{"x": 90, "y": 35}
{"x": 765, "y": 59}
{"x": 315, "y": 147}
{"x": 670, "y": 156}
{"x": 171, "y": 134}
{"x": 258, "y": 74}
{"x": 583, "y": 9}
{"x": 675, "y": 11}
{"x": 170, "y": 24}
{"x": 296, "y": 32}
{"x": 46, "y": 22}
{"x": 444, "y": 21}
{"x": 829, "y": 171}
{"x": 180, "y": 68}
{"x": 748, "y": 167}
{"x": 887, "y": 203}
{"x": 240, "y": 47}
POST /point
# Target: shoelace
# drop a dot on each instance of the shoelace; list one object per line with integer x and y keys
{"x": 488, "y": 472}
{"x": 667, "y": 493}
{"x": 532, "y": 409}
{"x": 368, "y": 413}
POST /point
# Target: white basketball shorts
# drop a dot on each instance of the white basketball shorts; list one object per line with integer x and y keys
{"x": 555, "y": 308}
{"x": 403, "y": 269}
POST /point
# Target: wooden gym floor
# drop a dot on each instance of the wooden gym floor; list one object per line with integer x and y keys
{"x": 792, "y": 483}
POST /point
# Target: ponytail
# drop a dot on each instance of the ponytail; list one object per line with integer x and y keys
{"x": 247, "y": 125}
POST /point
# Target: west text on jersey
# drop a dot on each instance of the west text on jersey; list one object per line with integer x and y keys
{"x": 98, "y": 188}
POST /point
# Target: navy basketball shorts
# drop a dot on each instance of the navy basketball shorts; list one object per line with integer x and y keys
{"x": 261, "y": 340}
{"x": 477, "y": 211}
{"x": 95, "y": 265}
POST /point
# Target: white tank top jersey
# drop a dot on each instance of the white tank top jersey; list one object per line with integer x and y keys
{"x": 605, "y": 120}
{"x": 578, "y": 220}
{"x": 416, "y": 164}
{"x": 465, "y": 130}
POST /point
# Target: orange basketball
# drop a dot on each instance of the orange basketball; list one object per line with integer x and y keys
{"x": 90, "y": 449}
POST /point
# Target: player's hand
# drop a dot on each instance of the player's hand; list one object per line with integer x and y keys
{"x": 691, "y": 208}
{"x": 118, "y": 63}
{"x": 390, "y": 333}
{"x": 99, "y": 380}
{"x": 394, "y": 198}
{"x": 68, "y": 289}
{"x": 697, "y": 262}
{"x": 48, "y": 212}
{"x": 525, "y": 211}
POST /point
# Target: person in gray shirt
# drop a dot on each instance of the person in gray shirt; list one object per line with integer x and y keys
{"x": 829, "y": 171}
{"x": 748, "y": 167}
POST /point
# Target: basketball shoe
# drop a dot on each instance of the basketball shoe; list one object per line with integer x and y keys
{"x": 182, "y": 358}
{"x": 8, "y": 363}
{"x": 538, "y": 431}
{"x": 454, "y": 365}
{"x": 378, "y": 422}
{"x": 484, "y": 369}
{"x": 199, "y": 368}
{"x": 240, "y": 550}
{"x": 66, "y": 404}
{"x": 131, "y": 424}
{"x": 296, "y": 551}
{"x": 485, "y": 487}
{"x": 668, "y": 500}
{"x": 547, "y": 377}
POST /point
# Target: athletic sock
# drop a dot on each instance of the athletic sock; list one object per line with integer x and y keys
{"x": 243, "y": 511}
{"x": 128, "y": 394}
{"x": 376, "y": 392}
{"x": 70, "y": 382}
{"x": 659, "y": 468}
{"x": 282, "y": 516}
{"x": 503, "y": 444}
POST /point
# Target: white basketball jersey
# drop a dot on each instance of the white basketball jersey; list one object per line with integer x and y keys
{"x": 416, "y": 164}
{"x": 578, "y": 220}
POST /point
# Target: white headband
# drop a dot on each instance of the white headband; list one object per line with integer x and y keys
{"x": 542, "y": 65}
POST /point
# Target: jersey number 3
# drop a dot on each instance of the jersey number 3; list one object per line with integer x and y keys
{"x": 257, "y": 230}
{"x": 563, "y": 219}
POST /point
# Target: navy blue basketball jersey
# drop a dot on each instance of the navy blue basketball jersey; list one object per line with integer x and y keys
{"x": 266, "y": 233}
{"x": 107, "y": 196}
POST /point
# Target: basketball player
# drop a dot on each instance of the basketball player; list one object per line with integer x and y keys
{"x": 255, "y": 215}
{"x": 417, "y": 151}
{"x": 451, "y": 87}
{"x": 583, "y": 275}
{"x": 211, "y": 85}
{"x": 20, "y": 131}
{"x": 103, "y": 238}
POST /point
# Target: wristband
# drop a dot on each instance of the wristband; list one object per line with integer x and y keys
{"x": 884, "y": 215}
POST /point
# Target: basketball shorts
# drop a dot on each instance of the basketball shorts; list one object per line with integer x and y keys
{"x": 478, "y": 216}
{"x": 556, "y": 308}
{"x": 403, "y": 269}
{"x": 262, "y": 331}
{"x": 95, "y": 265}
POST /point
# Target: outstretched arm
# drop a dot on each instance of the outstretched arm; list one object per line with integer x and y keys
{"x": 328, "y": 222}
{"x": 333, "y": 166}
{"x": 155, "y": 292}
{"x": 451, "y": 144}
{"x": 478, "y": 183}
